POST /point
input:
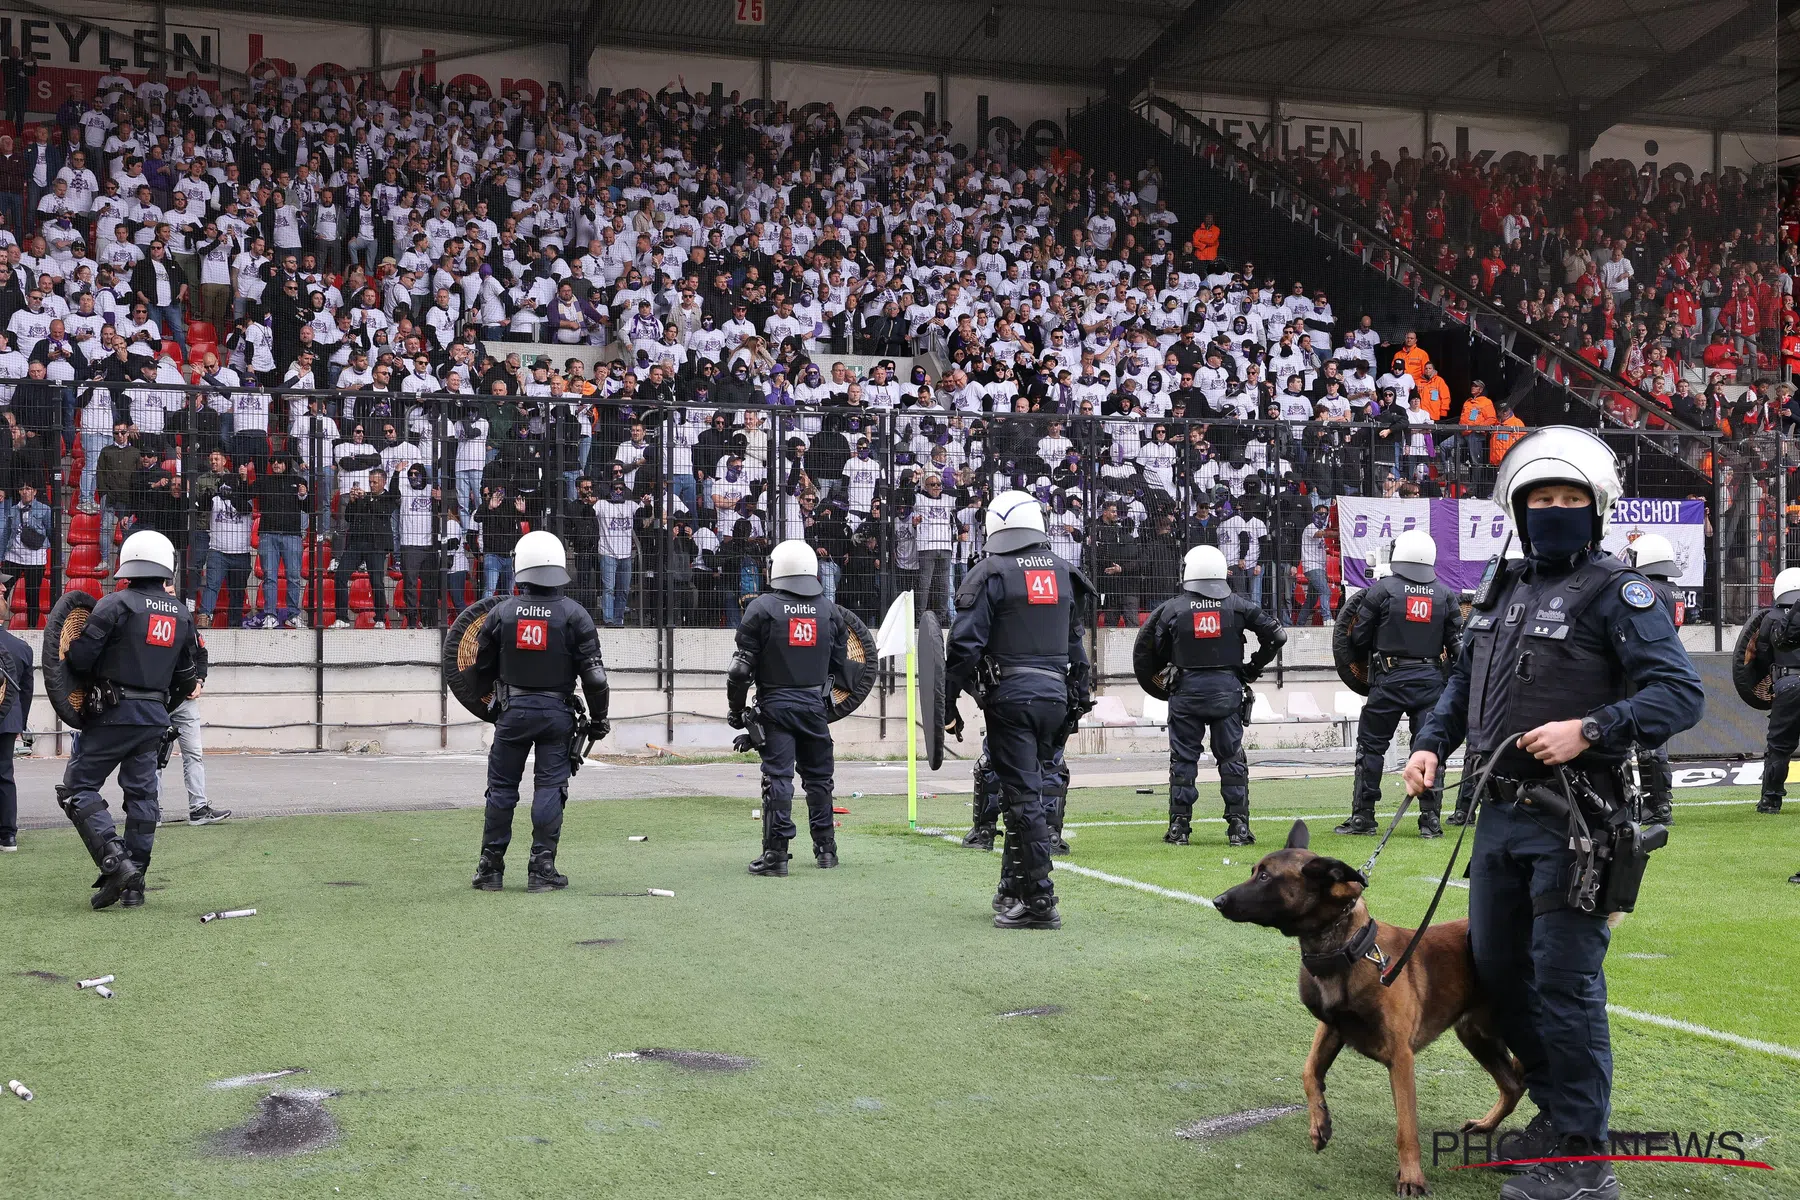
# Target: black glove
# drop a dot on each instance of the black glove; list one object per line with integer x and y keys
{"x": 600, "y": 729}
{"x": 735, "y": 718}
{"x": 953, "y": 721}
{"x": 1250, "y": 673}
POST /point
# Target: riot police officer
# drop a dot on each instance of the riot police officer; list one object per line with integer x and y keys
{"x": 1406, "y": 624}
{"x": 790, "y": 644}
{"x": 987, "y": 797}
{"x": 138, "y": 656}
{"x": 1654, "y": 559}
{"x": 531, "y": 650}
{"x": 1201, "y": 631}
{"x": 1542, "y": 683}
{"x": 1017, "y": 648}
{"x": 1780, "y": 635}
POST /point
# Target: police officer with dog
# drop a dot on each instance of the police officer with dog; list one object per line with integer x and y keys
{"x": 532, "y": 650}
{"x": 1655, "y": 560}
{"x": 1201, "y": 633}
{"x": 1406, "y": 625}
{"x": 136, "y": 658}
{"x": 791, "y": 644}
{"x": 1544, "y": 684}
{"x": 1017, "y": 648}
{"x": 1779, "y": 638}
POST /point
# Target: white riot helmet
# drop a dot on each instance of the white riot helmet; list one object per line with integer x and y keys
{"x": 1415, "y": 557}
{"x": 794, "y": 568}
{"x": 1652, "y": 555}
{"x": 1015, "y": 521}
{"x": 1380, "y": 571}
{"x": 146, "y": 554}
{"x": 539, "y": 560}
{"x": 1558, "y": 454}
{"x": 1203, "y": 571}
{"x": 1786, "y": 585}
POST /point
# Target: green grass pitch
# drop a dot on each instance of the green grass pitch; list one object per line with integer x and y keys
{"x": 469, "y": 1038}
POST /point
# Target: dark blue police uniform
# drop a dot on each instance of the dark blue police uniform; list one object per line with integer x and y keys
{"x": 1405, "y": 627}
{"x": 791, "y": 647}
{"x": 140, "y": 645}
{"x": 1203, "y": 637}
{"x": 1020, "y": 611}
{"x": 1563, "y": 640}
{"x": 15, "y": 718}
{"x": 987, "y": 802}
{"x": 536, "y": 646}
{"x": 1780, "y": 647}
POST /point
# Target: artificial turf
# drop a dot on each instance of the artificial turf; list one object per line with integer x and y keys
{"x": 470, "y": 1039}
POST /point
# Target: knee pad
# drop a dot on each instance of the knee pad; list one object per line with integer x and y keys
{"x": 79, "y": 806}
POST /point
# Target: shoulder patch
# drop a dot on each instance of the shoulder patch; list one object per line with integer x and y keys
{"x": 1637, "y": 593}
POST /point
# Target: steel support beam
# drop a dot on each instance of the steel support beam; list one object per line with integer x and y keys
{"x": 1198, "y": 17}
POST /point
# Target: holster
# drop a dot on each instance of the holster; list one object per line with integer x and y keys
{"x": 752, "y": 737}
{"x": 502, "y": 697}
{"x": 1612, "y": 850}
{"x": 102, "y": 696}
{"x": 987, "y": 677}
{"x": 165, "y": 748}
{"x": 1247, "y": 705}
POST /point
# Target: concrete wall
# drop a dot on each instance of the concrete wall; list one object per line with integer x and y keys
{"x": 384, "y": 687}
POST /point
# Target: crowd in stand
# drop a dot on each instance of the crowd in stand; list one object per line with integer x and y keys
{"x": 273, "y": 321}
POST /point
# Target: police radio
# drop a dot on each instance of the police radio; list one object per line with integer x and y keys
{"x": 1487, "y": 592}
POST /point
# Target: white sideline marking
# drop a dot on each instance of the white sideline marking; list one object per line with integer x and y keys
{"x": 1718, "y": 1035}
{"x": 1332, "y": 816}
{"x": 1617, "y": 1010}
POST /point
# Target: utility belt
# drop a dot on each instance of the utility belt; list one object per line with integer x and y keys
{"x": 504, "y": 693}
{"x": 1388, "y": 662}
{"x": 1611, "y": 848}
{"x": 103, "y": 695}
{"x": 990, "y": 672}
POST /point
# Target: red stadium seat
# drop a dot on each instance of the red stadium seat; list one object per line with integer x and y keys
{"x": 327, "y": 592}
{"x": 362, "y": 597}
{"x": 83, "y": 583}
{"x": 365, "y": 620}
{"x": 172, "y": 349}
{"x": 84, "y": 529}
{"x": 84, "y": 560}
{"x": 197, "y": 352}
{"x": 202, "y": 331}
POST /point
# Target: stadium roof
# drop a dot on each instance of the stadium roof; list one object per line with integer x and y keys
{"x": 1707, "y": 63}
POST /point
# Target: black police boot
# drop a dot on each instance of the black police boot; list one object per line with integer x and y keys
{"x": 1794, "y": 878}
{"x": 118, "y": 874}
{"x": 1537, "y": 1140}
{"x": 825, "y": 855}
{"x": 490, "y": 871}
{"x": 1659, "y": 812}
{"x": 1565, "y": 1180}
{"x": 1361, "y": 824}
{"x": 1179, "y": 829}
{"x": 132, "y": 898}
{"x": 773, "y": 862}
{"x": 1429, "y": 827}
{"x": 1237, "y": 831}
{"x": 1460, "y": 816}
{"x": 1057, "y": 844}
{"x": 1769, "y": 804}
{"x": 1036, "y": 914}
{"x": 542, "y": 875}
{"x": 981, "y": 837}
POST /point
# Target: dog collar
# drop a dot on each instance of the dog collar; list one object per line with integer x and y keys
{"x": 1336, "y": 962}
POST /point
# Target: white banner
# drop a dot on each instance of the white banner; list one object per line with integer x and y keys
{"x": 1367, "y": 526}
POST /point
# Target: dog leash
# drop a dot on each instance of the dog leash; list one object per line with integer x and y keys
{"x": 1481, "y": 785}
{"x": 1405, "y": 803}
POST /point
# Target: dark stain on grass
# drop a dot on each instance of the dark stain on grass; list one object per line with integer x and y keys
{"x": 285, "y": 1123}
{"x": 46, "y": 976}
{"x": 344, "y": 883}
{"x": 1232, "y": 1124}
{"x": 600, "y": 942}
{"x": 700, "y": 1060}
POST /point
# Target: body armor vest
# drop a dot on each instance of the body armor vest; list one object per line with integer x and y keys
{"x": 1032, "y": 620}
{"x": 144, "y": 649}
{"x": 537, "y": 652}
{"x": 796, "y": 649}
{"x": 1413, "y": 616}
{"x": 1206, "y": 635}
{"x": 1533, "y": 661}
{"x": 1780, "y": 626}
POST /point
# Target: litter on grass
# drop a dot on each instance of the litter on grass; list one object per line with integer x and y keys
{"x": 85, "y": 984}
{"x": 104, "y": 992}
{"x": 638, "y": 837}
{"x": 665, "y": 892}
{"x": 694, "y": 1060}
{"x": 18, "y": 1089}
{"x": 220, "y": 916}
{"x": 285, "y": 1123}
{"x": 1042, "y": 1010}
{"x": 1235, "y": 1123}
{"x": 238, "y": 1081}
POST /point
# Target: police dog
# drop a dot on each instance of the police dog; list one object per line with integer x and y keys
{"x": 1319, "y": 901}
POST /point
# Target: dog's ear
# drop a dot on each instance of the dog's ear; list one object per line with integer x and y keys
{"x": 1298, "y": 837}
{"x": 1329, "y": 872}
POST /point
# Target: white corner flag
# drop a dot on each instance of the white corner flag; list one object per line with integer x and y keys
{"x": 897, "y": 638}
{"x": 897, "y": 635}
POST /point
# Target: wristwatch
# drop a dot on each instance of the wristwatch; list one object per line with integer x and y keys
{"x": 1590, "y": 729}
